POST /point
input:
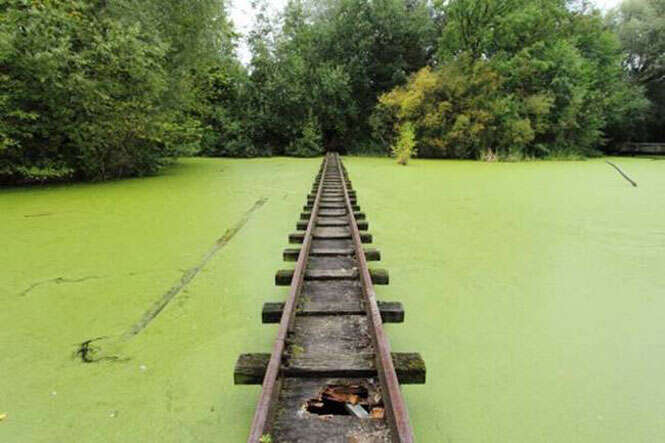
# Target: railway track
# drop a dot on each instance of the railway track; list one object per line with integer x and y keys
{"x": 331, "y": 376}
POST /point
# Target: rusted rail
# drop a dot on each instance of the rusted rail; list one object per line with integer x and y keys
{"x": 396, "y": 408}
{"x": 320, "y": 381}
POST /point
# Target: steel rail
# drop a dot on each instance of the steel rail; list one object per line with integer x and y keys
{"x": 392, "y": 396}
{"x": 270, "y": 387}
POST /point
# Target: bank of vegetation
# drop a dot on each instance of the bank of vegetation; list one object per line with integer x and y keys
{"x": 97, "y": 89}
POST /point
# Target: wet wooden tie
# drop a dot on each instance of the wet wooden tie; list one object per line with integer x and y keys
{"x": 331, "y": 376}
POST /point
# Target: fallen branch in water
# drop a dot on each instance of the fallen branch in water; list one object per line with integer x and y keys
{"x": 91, "y": 351}
{"x": 621, "y": 172}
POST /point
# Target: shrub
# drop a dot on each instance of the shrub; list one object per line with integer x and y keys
{"x": 457, "y": 111}
{"x": 309, "y": 143}
{"x": 404, "y": 148}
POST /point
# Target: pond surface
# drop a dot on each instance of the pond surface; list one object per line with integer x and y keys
{"x": 535, "y": 292}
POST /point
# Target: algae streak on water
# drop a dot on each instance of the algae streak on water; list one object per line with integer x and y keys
{"x": 535, "y": 291}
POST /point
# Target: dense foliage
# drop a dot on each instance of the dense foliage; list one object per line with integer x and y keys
{"x": 322, "y": 67}
{"x": 96, "y": 89}
{"x": 102, "y": 89}
{"x": 515, "y": 78}
{"x": 640, "y": 25}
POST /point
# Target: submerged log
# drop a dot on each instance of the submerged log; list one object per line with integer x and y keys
{"x": 623, "y": 174}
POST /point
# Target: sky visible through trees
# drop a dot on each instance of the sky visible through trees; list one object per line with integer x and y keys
{"x": 243, "y": 16}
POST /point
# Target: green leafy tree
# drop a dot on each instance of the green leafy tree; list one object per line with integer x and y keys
{"x": 309, "y": 142}
{"x": 640, "y": 25}
{"x": 459, "y": 111}
{"x": 95, "y": 90}
{"x": 516, "y": 78}
{"x": 333, "y": 59}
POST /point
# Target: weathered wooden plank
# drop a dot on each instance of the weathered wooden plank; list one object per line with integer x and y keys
{"x": 308, "y": 207}
{"x": 324, "y": 223}
{"x": 332, "y": 197}
{"x": 332, "y": 181}
{"x": 332, "y": 213}
{"x": 391, "y": 312}
{"x": 379, "y": 276}
{"x": 291, "y": 254}
{"x": 298, "y": 237}
{"x": 331, "y": 263}
{"x": 331, "y": 274}
{"x": 340, "y": 193}
{"x": 334, "y": 189}
{"x": 306, "y": 215}
{"x": 410, "y": 368}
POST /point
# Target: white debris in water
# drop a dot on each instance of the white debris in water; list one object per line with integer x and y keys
{"x": 143, "y": 368}
{"x": 53, "y": 393}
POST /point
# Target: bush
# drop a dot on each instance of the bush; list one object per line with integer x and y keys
{"x": 406, "y": 143}
{"x": 458, "y": 111}
{"x": 309, "y": 144}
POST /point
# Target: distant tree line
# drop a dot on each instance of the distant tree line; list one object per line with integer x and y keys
{"x": 96, "y": 89}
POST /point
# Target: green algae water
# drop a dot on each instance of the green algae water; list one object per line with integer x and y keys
{"x": 534, "y": 291}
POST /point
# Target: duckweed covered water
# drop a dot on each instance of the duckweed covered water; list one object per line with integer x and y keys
{"x": 533, "y": 290}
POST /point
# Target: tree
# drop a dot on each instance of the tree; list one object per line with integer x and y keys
{"x": 332, "y": 59}
{"x": 94, "y": 90}
{"x": 519, "y": 78}
{"x": 640, "y": 25}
